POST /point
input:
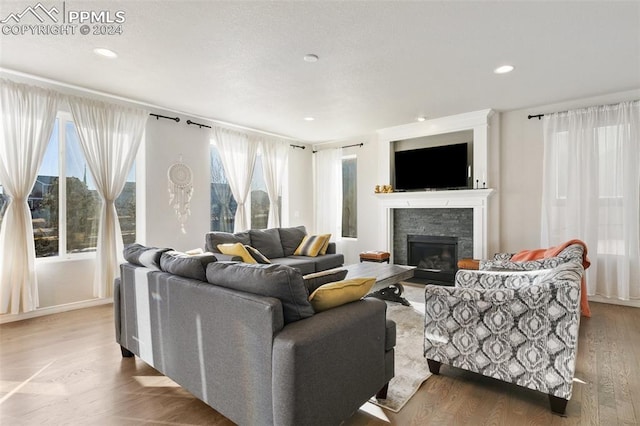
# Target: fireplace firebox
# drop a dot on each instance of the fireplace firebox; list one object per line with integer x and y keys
{"x": 435, "y": 258}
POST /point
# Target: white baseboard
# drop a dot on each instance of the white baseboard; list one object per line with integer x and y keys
{"x": 54, "y": 309}
{"x": 613, "y": 301}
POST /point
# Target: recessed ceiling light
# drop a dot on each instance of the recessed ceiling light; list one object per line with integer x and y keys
{"x": 309, "y": 119}
{"x": 311, "y": 58}
{"x": 421, "y": 118}
{"x": 107, "y": 53}
{"x": 503, "y": 69}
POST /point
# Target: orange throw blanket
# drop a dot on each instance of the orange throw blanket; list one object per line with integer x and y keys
{"x": 552, "y": 252}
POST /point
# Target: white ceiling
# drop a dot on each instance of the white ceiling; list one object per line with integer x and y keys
{"x": 381, "y": 63}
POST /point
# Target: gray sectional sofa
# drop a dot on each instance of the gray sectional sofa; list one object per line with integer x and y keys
{"x": 279, "y": 246}
{"x": 244, "y": 338}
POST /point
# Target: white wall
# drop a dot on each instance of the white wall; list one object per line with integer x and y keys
{"x": 165, "y": 143}
{"x": 298, "y": 196}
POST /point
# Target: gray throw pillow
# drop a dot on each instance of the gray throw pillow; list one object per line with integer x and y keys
{"x": 267, "y": 241}
{"x": 290, "y": 238}
{"x": 144, "y": 256}
{"x": 317, "y": 279}
{"x": 279, "y": 281}
{"x": 212, "y": 239}
{"x": 185, "y": 265}
{"x": 257, "y": 256}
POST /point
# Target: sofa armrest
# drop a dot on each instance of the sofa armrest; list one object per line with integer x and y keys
{"x": 326, "y": 366}
{"x": 331, "y": 248}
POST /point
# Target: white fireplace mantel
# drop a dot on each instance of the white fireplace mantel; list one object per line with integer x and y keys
{"x": 476, "y": 199}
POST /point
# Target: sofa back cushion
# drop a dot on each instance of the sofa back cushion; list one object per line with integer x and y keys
{"x": 267, "y": 241}
{"x": 278, "y": 281}
{"x": 212, "y": 239}
{"x": 186, "y": 265}
{"x": 290, "y": 238}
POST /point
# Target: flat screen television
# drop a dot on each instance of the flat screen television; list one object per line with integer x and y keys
{"x": 440, "y": 167}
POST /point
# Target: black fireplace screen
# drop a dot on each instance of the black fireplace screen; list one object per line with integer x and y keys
{"x": 435, "y": 258}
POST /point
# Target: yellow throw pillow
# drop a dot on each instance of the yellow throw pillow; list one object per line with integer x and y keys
{"x": 339, "y": 293}
{"x": 312, "y": 244}
{"x": 236, "y": 249}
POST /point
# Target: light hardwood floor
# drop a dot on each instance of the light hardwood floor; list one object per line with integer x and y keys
{"x": 66, "y": 369}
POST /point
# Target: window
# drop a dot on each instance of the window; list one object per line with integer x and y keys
{"x": 349, "y": 197}
{"x": 224, "y": 206}
{"x": 259, "y": 197}
{"x": 64, "y": 203}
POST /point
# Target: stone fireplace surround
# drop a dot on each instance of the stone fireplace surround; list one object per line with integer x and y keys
{"x": 442, "y": 222}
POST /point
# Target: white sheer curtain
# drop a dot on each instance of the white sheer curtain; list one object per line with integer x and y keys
{"x": 274, "y": 158}
{"x": 328, "y": 192}
{"x": 238, "y": 154}
{"x": 27, "y": 116}
{"x": 591, "y": 192}
{"x": 109, "y": 136}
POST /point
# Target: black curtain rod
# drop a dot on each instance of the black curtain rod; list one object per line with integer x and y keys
{"x": 158, "y": 116}
{"x": 297, "y": 146}
{"x": 347, "y": 146}
{"x": 539, "y": 116}
{"x": 198, "y": 124}
{"x": 355, "y": 144}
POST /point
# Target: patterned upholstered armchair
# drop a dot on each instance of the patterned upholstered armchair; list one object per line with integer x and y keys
{"x": 516, "y": 326}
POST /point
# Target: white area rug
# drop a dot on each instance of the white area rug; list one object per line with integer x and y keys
{"x": 411, "y": 368}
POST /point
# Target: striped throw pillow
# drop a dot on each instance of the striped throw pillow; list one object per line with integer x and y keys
{"x": 311, "y": 245}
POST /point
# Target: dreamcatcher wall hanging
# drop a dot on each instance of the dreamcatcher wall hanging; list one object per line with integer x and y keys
{"x": 180, "y": 191}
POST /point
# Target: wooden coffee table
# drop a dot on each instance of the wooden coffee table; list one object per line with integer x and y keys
{"x": 386, "y": 275}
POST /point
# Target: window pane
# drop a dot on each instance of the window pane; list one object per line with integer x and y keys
{"x": 83, "y": 200}
{"x": 223, "y": 205}
{"x": 259, "y": 197}
{"x": 43, "y": 200}
{"x": 126, "y": 208}
{"x": 349, "y": 198}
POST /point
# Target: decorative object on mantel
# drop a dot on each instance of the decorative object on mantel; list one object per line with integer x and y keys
{"x": 180, "y": 191}
{"x": 383, "y": 189}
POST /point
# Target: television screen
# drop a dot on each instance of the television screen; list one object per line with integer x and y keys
{"x": 440, "y": 167}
